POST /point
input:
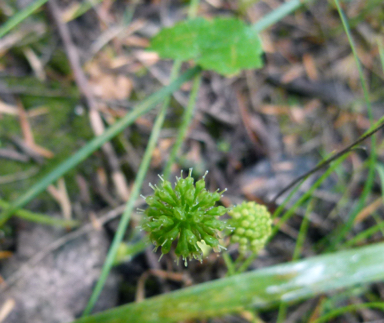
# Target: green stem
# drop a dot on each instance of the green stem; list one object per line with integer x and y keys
{"x": 287, "y": 199}
{"x": 278, "y": 14}
{"x": 246, "y": 263}
{"x": 303, "y": 231}
{"x": 239, "y": 259}
{"x": 229, "y": 263}
{"x": 363, "y": 235}
{"x": 282, "y": 312}
{"x": 108, "y": 264}
{"x": 357, "y": 61}
{"x": 350, "y": 308}
{"x": 381, "y": 52}
{"x": 187, "y": 117}
{"x": 41, "y": 218}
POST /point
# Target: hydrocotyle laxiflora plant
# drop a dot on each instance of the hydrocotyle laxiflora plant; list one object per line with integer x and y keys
{"x": 185, "y": 214}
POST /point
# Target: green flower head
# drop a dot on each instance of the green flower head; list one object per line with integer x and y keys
{"x": 253, "y": 226}
{"x": 186, "y": 214}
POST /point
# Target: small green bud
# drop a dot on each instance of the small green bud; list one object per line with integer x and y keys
{"x": 165, "y": 196}
{"x": 166, "y": 221}
{"x": 200, "y": 185}
{"x": 172, "y": 234}
{"x": 215, "y": 224}
{"x": 182, "y": 245}
{"x": 211, "y": 241}
{"x": 253, "y": 226}
{"x": 190, "y": 196}
{"x": 179, "y": 214}
{"x": 168, "y": 187}
{"x": 166, "y": 246}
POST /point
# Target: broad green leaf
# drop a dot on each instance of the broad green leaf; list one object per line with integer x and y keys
{"x": 225, "y": 45}
{"x": 260, "y": 288}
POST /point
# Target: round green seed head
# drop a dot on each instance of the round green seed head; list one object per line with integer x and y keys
{"x": 253, "y": 226}
{"x": 185, "y": 215}
{"x": 235, "y": 238}
{"x": 249, "y": 233}
{"x": 236, "y": 215}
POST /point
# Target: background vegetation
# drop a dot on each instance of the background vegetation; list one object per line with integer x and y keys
{"x": 97, "y": 98}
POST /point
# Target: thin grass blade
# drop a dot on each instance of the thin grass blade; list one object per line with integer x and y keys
{"x": 95, "y": 144}
{"x": 341, "y": 233}
{"x": 20, "y": 16}
{"x": 278, "y": 14}
{"x": 41, "y": 218}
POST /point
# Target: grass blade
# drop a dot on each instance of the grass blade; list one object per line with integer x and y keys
{"x": 306, "y": 195}
{"x": 346, "y": 309}
{"x": 20, "y": 16}
{"x": 363, "y": 235}
{"x": 278, "y": 14}
{"x": 95, "y": 144}
{"x": 380, "y": 170}
{"x": 356, "y": 57}
{"x": 303, "y": 231}
{"x": 341, "y": 233}
{"x": 260, "y": 288}
{"x": 283, "y": 205}
{"x": 41, "y": 218}
{"x": 381, "y": 52}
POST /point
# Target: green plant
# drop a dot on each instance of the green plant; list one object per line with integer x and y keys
{"x": 186, "y": 214}
{"x": 224, "y": 45}
{"x": 207, "y": 32}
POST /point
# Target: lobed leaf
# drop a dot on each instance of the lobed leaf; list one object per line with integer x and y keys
{"x": 225, "y": 45}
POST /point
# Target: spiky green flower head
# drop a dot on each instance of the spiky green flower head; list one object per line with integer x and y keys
{"x": 186, "y": 214}
{"x": 253, "y": 226}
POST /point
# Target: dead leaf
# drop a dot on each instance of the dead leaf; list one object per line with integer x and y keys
{"x": 108, "y": 86}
